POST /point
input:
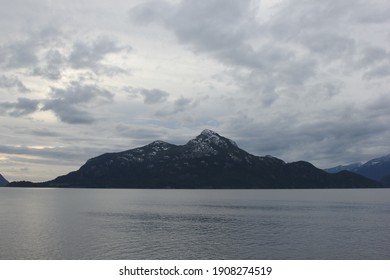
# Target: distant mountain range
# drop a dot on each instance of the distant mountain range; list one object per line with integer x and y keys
{"x": 377, "y": 169}
{"x": 350, "y": 167}
{"x": 207, "y": 161}
{"x": 3, "y": 181}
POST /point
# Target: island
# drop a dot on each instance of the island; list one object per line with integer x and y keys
{"x": 209, "y": 161}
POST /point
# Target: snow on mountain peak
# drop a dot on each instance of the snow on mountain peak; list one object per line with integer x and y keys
{"x": 159, "y": 143}
{"x": 208, "y": 132}
{"x": 212, "y": 137}
{"x": 380, "y": 160}
{"x": 208, "y": 143}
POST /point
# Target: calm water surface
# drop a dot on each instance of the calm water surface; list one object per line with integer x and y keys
{"x": 194, "y": 224}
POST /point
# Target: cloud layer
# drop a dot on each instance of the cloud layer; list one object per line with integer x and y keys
{"x": 300, "y": 80}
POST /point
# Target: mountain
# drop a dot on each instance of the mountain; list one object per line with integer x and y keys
{"x": 350, "y": 167}
{"x": 3, "y": 181}
{"x": 208, "y": 161}
{"x": 376, "y": 169}
{"x": 386, "y": 181}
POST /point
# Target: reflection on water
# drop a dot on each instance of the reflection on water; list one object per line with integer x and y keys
{"x": 194, "y": 224}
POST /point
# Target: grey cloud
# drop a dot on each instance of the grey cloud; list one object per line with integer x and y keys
{"x": 323, "y": 91}
{"x": 71, "y": 104}
{"x": 372, "y": 55}
{"x": 54, "y": 61}
{"x": 380, "y": 71}
{"x": 379, "y": 105}
{"x": 50, "y": 155}
{"x": 24, "y": 53}
{"x": 154, "y": 96}
{"x": 206, "y": 25}
{"x": 150, "y": 96}
{"x": 24, "y": 131}
{"x": 22, "y": 107}
{"x": 289, "y": 50}
{"x": 292, "y": 20}
{"x": 77, "y": 93}
{"x": 39, "y": 53}
{"x": 225, "y": 30}
{"x": 321, "y": 141}
{"x": 374, "y": 12}
{"x": 211, "y": 25}
{"x": 13, "y": 82}
{"x": 68, "y": 113}
{"x": 180, "y": 105}
{"x": 262, "y": 84}
{"x": 331, "y": 45}
{"x": 150, "y": 11}
{"x": 139, "y": 133}
{"x": 295, "y": 71}
{"x": 328, "y": 29}
{"x": 25, "y": 11}
{"x": 375, "y": 63}
{"x": 183, "y": 104}
{"x": 43, "y": 132}
{"x": 90, "y": 55}
{"x": 341, "y": 140}
{"x": 48, "y": 51}
{"x": 316, "y": 27}
{"x": 20, "y": 54}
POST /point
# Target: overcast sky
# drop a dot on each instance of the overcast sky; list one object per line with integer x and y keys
{"x": 299, "y": 80}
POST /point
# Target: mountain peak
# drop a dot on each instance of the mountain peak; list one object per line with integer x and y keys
{"x": 379, "y": 160}
{"x": 209, "y": 132}
{"x": 159, "y": 143}
{"x": 210, "y": 137}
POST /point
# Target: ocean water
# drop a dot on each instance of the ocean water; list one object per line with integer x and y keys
{"x": 194, "y": 224}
